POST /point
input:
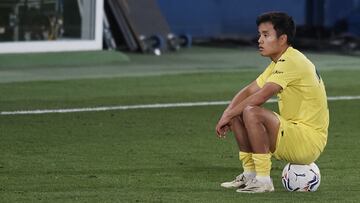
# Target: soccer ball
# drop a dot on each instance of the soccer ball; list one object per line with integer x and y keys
{"x": 303, "y": 178}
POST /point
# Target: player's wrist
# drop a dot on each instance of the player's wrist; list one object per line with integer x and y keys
{"x": 227, "y": 115}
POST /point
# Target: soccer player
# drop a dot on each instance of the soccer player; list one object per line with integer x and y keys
{"x": 298, "y": 134}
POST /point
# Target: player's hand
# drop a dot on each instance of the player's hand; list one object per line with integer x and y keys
{"x": 223, "y": 126}
{"x": 223, "y": 131}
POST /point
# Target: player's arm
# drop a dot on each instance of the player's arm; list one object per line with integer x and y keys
{"x": 256, "y": 99}
{"x": 238, "y": 98}
{"x": 243, "y": 94}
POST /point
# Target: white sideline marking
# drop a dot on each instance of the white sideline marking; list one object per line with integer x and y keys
{"x": 146, "y": 106}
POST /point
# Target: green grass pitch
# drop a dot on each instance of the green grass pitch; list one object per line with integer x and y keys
{"x": 152, "y": 155}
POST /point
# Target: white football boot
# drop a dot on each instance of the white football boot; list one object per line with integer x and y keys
{"x": 256, "y": 186}
{"x": 239, "y": 182}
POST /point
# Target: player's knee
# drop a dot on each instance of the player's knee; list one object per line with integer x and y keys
{"x": 251, "y": 113}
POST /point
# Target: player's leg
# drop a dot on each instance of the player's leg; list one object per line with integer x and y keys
{"x": 262, "y": 127}
{"x": 239, "y": 130}
{"x": 245, "y": 151}
{"x": 245, "y": 155}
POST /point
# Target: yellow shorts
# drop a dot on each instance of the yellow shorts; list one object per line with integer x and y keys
{"x": 297, "y": 143}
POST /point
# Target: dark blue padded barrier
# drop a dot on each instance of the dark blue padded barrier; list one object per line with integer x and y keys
{"x": 208, "y": 18}
{"x": 214, "y": 18}
{"x": 348, "y": 10}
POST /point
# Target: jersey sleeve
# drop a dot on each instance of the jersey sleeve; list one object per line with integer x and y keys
{"x": 262, "y": 78}
{"x": 284, "y": 73}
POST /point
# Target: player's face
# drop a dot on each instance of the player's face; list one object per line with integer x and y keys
{"x": 269, "y": 43}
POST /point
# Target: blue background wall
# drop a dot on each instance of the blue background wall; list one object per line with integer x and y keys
{"x": 348, "y": 9}
{"x": 207, "y": 18}
{"x": 224, "y": 17}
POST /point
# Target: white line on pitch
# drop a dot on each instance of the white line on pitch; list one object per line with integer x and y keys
{"x": 145, "y": 106}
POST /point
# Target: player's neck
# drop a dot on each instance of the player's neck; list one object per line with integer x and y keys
{"x": 276, "y": 56}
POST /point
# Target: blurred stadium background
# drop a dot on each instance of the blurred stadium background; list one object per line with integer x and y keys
{"x": 98, "y": 60}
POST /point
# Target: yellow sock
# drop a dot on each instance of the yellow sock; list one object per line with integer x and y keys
{"x": 247, "y": 161}
{"x": 262, "y": 164}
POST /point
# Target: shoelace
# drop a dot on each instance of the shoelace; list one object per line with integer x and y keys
{"x": 239, "y": 178}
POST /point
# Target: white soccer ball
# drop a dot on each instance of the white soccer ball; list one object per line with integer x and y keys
{"x": 303, "y": 178}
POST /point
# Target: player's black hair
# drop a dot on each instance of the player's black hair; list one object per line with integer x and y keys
{"x": 282, "y": 22}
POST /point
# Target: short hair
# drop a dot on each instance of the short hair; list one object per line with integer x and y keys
{"x": 282, "y": 22}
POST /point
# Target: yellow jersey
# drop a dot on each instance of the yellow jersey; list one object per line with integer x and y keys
{"x": 302, "y": 99}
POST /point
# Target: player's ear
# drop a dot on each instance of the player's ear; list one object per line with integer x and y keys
{"x": 283, "y": 39}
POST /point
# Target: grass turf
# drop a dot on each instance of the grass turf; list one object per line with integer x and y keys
{"x": 144, "y": 90}
{"x": 168, "y": 155}
{"x": 107, "y": 64}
